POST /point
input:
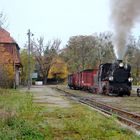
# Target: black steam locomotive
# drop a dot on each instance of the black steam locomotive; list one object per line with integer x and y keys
{"x": 115, "y": 78}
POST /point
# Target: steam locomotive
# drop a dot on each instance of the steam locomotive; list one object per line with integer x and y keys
{"x": 110, "y": 78}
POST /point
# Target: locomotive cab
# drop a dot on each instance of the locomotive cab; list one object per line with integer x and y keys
{"x": 103, "y": 77}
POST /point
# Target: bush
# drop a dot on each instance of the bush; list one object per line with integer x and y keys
{"x": 6, "y": 76}
{"x": 19, "y": 118}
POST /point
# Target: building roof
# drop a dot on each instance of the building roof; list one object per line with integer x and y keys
{"x": 5, "y": 37}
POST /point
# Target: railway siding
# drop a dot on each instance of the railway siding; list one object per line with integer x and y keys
{"x": 130, "y": 104}
{"x": 131, "y": 119}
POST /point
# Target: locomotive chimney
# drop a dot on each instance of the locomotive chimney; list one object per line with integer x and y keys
{"x": 119, "y": 61}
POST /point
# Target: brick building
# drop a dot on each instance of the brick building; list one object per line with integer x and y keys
{"x": 9, "y": 54}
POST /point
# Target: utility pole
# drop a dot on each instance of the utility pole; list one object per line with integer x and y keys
{"x": 29, "y": 64}
{"x": 99, "y": 52}
{"x": 14, "y": 68}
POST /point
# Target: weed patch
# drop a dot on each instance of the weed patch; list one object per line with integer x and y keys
{"x": 82, "y": 123}
{"x": 20, "y": 118}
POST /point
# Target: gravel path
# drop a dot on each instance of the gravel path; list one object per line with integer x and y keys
{"x": 46, "y": 96}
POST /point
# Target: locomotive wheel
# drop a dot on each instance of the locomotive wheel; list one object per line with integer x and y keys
{"x": 128, "y": 94}
{"x": 104, "y": 90}
{"x": 93, "y": 90}
{"x": 74, "y": 88}
{"x": 138, "y": 92}
{"x": 121, "y": 94}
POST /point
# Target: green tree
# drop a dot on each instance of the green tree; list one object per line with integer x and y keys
{"x": 24, "y": 61}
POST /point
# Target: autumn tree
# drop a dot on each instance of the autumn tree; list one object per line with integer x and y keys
{"x": 44, "y": 56}
{"x": 78, "y": 51}
{"x": 84, "y": 52}
{"x": 58, "y": 70}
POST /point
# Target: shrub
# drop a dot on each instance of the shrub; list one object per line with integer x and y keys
{"x": 6, "y": 76}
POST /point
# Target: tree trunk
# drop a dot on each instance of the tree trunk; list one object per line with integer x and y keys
{"x": 45, "y": 80}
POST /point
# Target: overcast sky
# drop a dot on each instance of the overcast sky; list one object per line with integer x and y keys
{"x": 55, "y": 18}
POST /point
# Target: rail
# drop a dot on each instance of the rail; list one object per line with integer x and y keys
{"x": 128, "y": 118}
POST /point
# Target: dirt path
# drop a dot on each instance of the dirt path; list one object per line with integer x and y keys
{"x": 46, "y": 96}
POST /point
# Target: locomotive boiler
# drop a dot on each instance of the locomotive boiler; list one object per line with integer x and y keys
{"x": 115, "y": 78}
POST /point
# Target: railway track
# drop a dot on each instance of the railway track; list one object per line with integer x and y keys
{"x": 126, "y": 117}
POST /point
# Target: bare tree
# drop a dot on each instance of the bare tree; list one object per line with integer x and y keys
{"x": 3, "y": 20}
{"x": 44, "y": 56}
{"x": 105, "y": 47}
{"x": 133, "y": 57}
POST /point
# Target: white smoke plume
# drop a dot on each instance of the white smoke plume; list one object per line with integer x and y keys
{"x": 124, "y": 14}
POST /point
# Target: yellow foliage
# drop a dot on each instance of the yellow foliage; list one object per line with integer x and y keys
{"x": 58, "y": 69}
{"x": 6, "y": 75}
{"x": 6, "y": 62}
{"x": 10, "y": 71}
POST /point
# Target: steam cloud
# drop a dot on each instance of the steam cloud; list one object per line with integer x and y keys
{"x": 124, "y": 14}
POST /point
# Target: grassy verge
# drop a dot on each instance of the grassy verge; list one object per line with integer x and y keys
{"x": 22, "y": 120}
{"x": 19, "y": 118}
{"x": 82, "y": 123}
